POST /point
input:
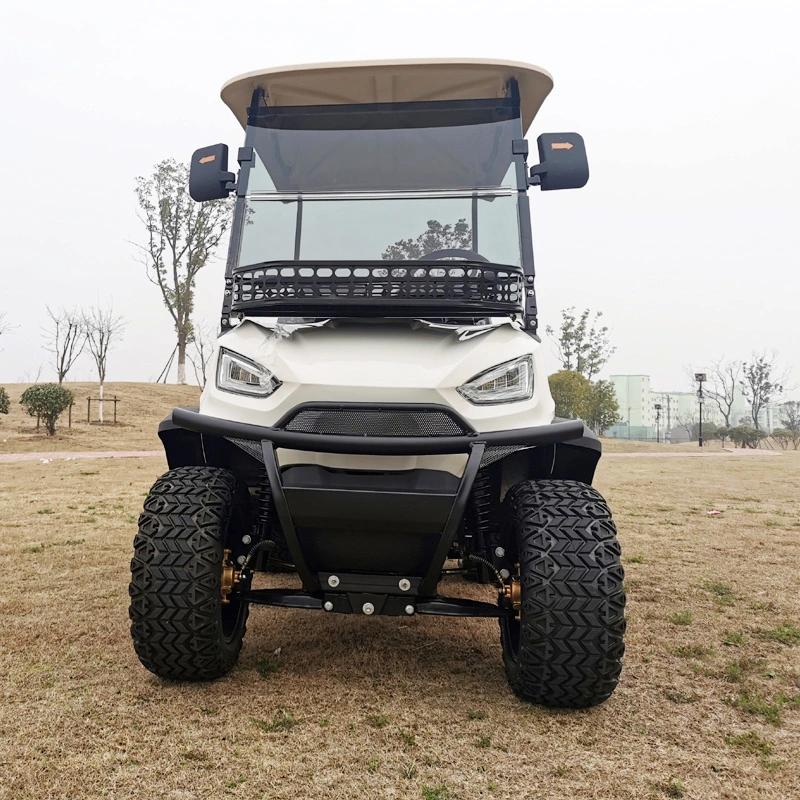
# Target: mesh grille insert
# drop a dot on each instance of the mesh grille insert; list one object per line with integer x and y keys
{"x": 249, "y": 446}
{"x": 375, "y": 422}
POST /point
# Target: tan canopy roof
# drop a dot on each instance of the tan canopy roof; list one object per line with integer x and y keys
{"x": 390, "y": 82}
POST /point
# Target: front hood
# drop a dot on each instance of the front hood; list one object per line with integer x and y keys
{"x": 379, "y": 361}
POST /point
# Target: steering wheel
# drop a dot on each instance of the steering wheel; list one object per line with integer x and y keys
{"x": 470, "y": 255}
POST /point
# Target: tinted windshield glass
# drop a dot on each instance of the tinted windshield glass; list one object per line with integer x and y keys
{"x": 388, "y": 181}
{"x": 383, "y": 147}
{"x": 400, "y": 228}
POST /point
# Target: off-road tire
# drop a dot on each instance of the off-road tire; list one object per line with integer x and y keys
{"x": 181, "y": 629}
{"x": 565, "y": 648}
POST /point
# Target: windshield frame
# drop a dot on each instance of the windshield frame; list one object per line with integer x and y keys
{"x": 247, "y": 159}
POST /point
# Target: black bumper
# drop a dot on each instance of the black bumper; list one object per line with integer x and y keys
{"x": 377, "y": 445}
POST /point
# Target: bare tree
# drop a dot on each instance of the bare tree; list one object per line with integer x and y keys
{"x": 724, "y": 380}
{"x": 761, "y": 382}
{"x": 102, "y": 328}
{"x": 31, "y": 377}
{"x": 65, "y": 338}
{"x": 583, "y": 346}
{"x": 203, "y": 340}
{"x": 5, "y": 326}
{"x": 181, "y": 237}
{"x": 690, "y": 423}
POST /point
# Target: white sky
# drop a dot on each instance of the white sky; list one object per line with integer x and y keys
{"x": 686, "y": 237}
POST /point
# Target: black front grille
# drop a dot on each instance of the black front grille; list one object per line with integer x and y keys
{"x": 343, "y": 421}
{"x": 422, "y": 288}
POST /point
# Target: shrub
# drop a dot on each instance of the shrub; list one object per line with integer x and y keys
{"x": 3, "y": 401}
{"x": 46, "y": 401}
{"x": 783, "y": 437}
{"x": 745, "y": 436}
{"x": 711, "y": 431}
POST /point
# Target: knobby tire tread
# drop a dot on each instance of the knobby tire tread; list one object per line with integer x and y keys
{"x": 572, "y": 621}
{"x": 176, "y": 605}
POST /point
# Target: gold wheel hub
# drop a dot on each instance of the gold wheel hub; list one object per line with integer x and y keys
{"x": 512, "y": 591}
{"x": 230, "y": 577}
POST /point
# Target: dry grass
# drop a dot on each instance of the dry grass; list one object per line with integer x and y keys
{"x": 142, "y": 407}
{"x": 632, "y": 446}
{"x": 408, "y": 708}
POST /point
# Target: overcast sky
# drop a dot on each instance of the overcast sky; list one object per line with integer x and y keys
{"x": 686, "y": 237}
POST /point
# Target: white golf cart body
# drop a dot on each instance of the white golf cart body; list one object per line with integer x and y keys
{"x": 377, "y": 413}
{"x": 378, "y": 362}
{"x": 383, "y": 360}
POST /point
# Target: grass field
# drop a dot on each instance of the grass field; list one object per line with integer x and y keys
{"x": 142, "y": 406}
{"x": 349, "y": 707}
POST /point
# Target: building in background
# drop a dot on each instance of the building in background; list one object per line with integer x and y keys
{"x": 679, "y": 413}
{"x": 637, "y": 415}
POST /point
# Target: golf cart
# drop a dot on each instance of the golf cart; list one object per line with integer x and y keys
{"x": 380, "y": 415}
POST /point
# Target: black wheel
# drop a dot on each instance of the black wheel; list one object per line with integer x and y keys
{"x": 181, "y": 628}
{"x": 565, "y": 648}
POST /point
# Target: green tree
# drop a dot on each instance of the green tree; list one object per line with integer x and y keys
{"x": 583, "y": 346}
{"x": 435, "y": 237}
{"x": 182, "y": 236}
{"x": 569, "y": 390}
{"x": 760, "y": 383}
{"x": 46, "y": 401}
{"x": 600, "y": 409}
{"x": 4, "y": 401}
{"x": 790, "y": 419}
{"x": 578, "y": 398}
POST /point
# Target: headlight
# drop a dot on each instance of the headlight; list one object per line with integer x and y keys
{"x": 505, "y": 383}
{"x": 241, "y": 376}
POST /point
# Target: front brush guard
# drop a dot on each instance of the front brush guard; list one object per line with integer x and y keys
{"x": 355, "y": 593}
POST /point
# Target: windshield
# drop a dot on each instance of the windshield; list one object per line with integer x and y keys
{"x": 394, "y": 228}
{"x": 383, "y": 182}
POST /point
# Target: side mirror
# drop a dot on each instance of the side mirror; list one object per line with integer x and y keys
{"x": 563, "y": 162}
{"x": 209, "y": 178}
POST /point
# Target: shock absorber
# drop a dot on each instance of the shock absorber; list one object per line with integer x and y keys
{"x": 482, "y": 512}
{"x": 260, "y": 528}
{"x": 480, "y": 525}
{"x": 264, "y": 495}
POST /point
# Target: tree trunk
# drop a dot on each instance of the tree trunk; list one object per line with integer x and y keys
{"x": 100, "y": 406}
{"x": 181, "y": 358}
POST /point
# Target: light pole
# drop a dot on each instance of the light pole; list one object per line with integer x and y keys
{"x": 657, "y": 407}
{"x": 700, "y": 377}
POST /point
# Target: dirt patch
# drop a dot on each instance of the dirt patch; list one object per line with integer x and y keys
{"x": 697, "y": 453}
{"x": 69, "y": 455}
{"x": 349, "y": 707}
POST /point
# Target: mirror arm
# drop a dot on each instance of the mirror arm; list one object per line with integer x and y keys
{"x": 535, "y": 178}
